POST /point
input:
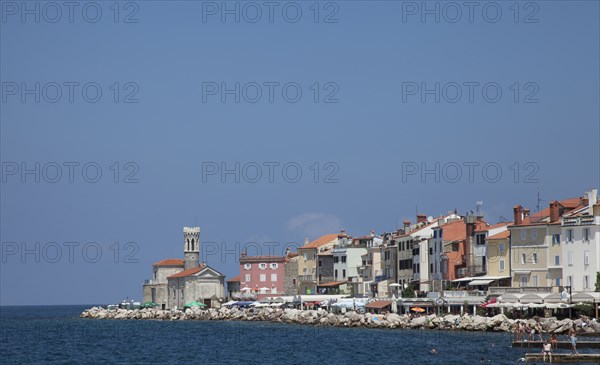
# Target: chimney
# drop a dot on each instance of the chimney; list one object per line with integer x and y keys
{"x": 343, "y": 232}
{"x": 372, "y": 233}
{"x": 305, "y": 241}
{"x": 406, "y": 226}
{"x": 526, "y": 213}
{"x": 421, "y": 218}
{"x": 518, "y": 214}
{"x": 554, "y": 211}
{"x": 592, "y": 198}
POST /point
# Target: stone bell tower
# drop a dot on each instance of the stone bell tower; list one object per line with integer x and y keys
{"x": 191, "y": 247}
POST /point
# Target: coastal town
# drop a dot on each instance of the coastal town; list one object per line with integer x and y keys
{"x": 536, "y": 276}
{"x": 542, "y": 262}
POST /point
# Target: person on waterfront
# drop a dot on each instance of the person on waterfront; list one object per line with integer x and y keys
{"x": 538, "y": 329}
{"x": 521, "y": 330}
{"x": 573, "y": 339}
{"x": 554, "y": 341}
{"x": 546, "y": 350}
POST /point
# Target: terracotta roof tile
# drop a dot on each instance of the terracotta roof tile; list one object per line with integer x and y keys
{"x": 321, "y": 241}
{"x": 187, "y": 272}
{"x": 332, "y": 283}
{"x": 262, "y": 259}
{"x": 503, "y": 234}
{"x": 169, "y": 262}
{"x": 234, "y": 280}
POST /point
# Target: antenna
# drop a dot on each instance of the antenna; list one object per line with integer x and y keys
{"x": 539, "y": 200}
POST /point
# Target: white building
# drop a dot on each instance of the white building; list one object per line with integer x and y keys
{"x": 580, "y": 235}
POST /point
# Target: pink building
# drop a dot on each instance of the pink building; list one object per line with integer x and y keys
{"x": 262, "y": 276}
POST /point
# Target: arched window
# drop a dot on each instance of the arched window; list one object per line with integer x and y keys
{"x": 187, "y": 244}
{"x": 193, "y": 248}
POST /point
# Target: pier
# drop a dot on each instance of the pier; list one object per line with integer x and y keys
{"x": 565, "y": 358}
{"x": 560, "y": 344}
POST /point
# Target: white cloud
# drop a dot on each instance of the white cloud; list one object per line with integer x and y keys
{"x": 314, "y": 225}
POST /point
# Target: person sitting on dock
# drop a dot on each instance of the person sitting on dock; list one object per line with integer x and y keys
{"x": 573, "y": 339}
{"x": 538, "y": 328}
{"x": 546, "y": 350}
{"x": 554, "y": 341}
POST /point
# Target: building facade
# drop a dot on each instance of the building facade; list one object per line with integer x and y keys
{"x": 262, "y": 275}
{"x": 580, "y": 233}
{"x": 176, "y": 282}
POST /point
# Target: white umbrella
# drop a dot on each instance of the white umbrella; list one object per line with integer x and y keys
{"x": 395, "y": 284}
{"x": 245, "y": 288}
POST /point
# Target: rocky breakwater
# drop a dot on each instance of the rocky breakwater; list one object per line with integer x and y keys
{"x": 498, "y": 323}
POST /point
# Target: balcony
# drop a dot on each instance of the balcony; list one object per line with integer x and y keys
{"x": 307, "y": 278}
{"x": 528, "y": 289}
{"x": 578, "y": 221}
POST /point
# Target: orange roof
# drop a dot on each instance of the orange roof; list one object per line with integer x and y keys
{"x": 187, "y": 272}
{"x": 169, "y": 262}
{"x": 454, "y": 231}
{"x": 234, "y": 280}
{"x": 321, "y": 241}
{"x": 537, "y": 218}
{"x": 262, "y": 259}
{"x": 503, "y": 234}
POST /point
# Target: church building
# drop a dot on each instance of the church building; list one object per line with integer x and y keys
{"x": 176, "y": 282}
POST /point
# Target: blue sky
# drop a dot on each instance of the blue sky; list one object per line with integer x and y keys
{"x": 370, "y": 59}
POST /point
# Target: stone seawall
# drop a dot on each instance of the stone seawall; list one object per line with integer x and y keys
{"x": 498, "y": 323}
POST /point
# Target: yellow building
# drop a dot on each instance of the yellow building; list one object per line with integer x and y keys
{"x": 498, "y": 254}
{"x": 307, "y": 260}
{"x": 535, "y": 245}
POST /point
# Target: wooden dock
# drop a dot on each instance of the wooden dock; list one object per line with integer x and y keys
{"x": 565, "y": 358}
{"x": 560, "y": 344}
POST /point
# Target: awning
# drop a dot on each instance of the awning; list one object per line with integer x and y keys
{"x": 332, "y": 284}
{"x": 522, "y": 272}
{"x": 480, "y": 282}
{"x": 379, "y": 304}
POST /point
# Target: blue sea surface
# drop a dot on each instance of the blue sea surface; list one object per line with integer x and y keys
{"x": 56, "y": 335}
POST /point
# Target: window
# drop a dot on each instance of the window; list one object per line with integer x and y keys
{"x": 430, "y": 250}
{"x": 247, "y": 277}
{"x": 557, "y": 281}
{"x": 534, "y": 257}
{"x": 586, "y": 282}
{"x": 523, "y": 258}
{"x": 534, "y": 234}
{"x": 557, "y": 260}
{"x": 570, "y": 258}
{"x": 305, "y": 270}
{"x": 262, "y": 266}
{"x": 336, "y": 259}
{"x": 262, "y": 278}
{"x": 534, "y": 280}
{"x": 523, "y": 234}
{"x": 502, "y": 247}
{"x": 273, "y": 277}
{"x": 435, "y": 233}
{"x": 274, "y": 265}
{"x": 556, "y": 239}
{"x": 586, "y": 257}
{"x": 586, "y": 234}
{"x": 344, "y": 274}
{"x": 343, "y": 259}
{"x": 501, "y": 265}
{"x": 431, "y": 268}
{"x": 523, "y": 281}
{"x": 305, "y": 256}
{"x": 480, "y": 239}
{"x": 335, "y": 273}
{"x": 294, "y": 282}
{"x": 569, "y": 235}
{"x": 247, "y": 266}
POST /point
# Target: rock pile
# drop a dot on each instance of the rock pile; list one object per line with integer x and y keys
{"x": 498, "y": 323}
